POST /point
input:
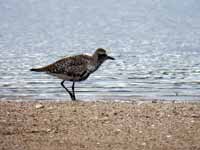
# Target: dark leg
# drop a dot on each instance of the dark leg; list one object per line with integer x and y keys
{"x": 71, "y": 95}
{"x": 73, "y": 92}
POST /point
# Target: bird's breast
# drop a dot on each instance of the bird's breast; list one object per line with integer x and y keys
{"x": 91, "y": 68}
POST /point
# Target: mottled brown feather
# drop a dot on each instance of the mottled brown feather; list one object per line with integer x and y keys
{"x": 74, "y": 67}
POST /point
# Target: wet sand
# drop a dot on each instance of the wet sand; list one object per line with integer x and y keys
{"x": 99, "y": 126}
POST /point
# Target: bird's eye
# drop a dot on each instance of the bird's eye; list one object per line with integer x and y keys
{"x": 102, "y": 55}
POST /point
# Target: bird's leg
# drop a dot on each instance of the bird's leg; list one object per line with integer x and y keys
{"x": 71, "y": 94}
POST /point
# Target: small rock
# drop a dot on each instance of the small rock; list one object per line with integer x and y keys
{"x": 195, "y": 116}
{"x": 48, "y": 130}
{"x": 168, "y": 136}
{"x": 154, "y": 101}
{"x": 38, "y": 106}
{"x": 50, "y": 108}
{"x": 192, "y": 121}
{"x": 45, "y": 120}
{"x": 106, "y": 115}
{"x": 144, "y": 144}
{"x": 117, "y": 131}
{"x": 140, "y": 103}
{"x": 96, "y": 118}
{"x": 4, "y": 120}
{"x": 61, "y": 142}
{"x": 115, "y": 113}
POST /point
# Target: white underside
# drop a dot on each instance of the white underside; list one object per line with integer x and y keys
{"x": 61, "y": 76}
{"x": 65, "y": 77}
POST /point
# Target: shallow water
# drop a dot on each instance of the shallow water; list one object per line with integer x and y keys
{"x": 156, "y": 45}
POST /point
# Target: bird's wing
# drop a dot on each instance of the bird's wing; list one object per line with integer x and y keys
{"x": 71, "y": 66}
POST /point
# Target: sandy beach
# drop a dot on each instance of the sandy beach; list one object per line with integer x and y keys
{"x": 99, "y": 126}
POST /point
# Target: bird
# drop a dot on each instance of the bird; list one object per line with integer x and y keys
{"x": 75, "y": 68}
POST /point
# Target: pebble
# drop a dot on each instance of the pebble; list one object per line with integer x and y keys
{"x": 38, "y": 106}
{"x": 115, "y": 113}
{"x": 169, "y": 136}
{"x": 117, "y": 131}
{"x": 48, "y": 130}
{"x": 96, "y": 118}
{"x": 144, "y": 144}
{"x": 50, "y": 108}
{"x": 195, "y": 116}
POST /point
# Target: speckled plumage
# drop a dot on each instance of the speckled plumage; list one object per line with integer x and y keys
{"x": 75, "y": 68}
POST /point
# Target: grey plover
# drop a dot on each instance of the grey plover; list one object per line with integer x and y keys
{"x": 75, "y": 68}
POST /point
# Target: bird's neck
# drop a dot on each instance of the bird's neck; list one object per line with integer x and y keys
{"x": 95, "y": 57}
{"x": 96, "y": 62}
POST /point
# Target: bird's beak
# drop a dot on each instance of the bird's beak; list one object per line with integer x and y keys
{"x": 109, "y": 57}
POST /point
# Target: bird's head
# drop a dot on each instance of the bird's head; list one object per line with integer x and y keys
{"x": 101, "y": 55}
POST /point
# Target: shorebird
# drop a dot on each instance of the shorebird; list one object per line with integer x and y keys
{"x": 75, "y": 68}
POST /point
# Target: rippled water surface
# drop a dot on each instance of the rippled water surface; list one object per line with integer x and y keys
{"x": 156, "y": 45}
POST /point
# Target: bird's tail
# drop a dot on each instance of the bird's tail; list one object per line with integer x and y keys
{"x": 37, "y": 69}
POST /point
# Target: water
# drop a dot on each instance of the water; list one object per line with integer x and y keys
{"x": 156, "y": 45}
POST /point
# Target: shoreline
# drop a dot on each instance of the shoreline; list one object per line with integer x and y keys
{"x": 103, "y": 98}
{"x": 110, "y": 100}
{"x": 99, "y": 125}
